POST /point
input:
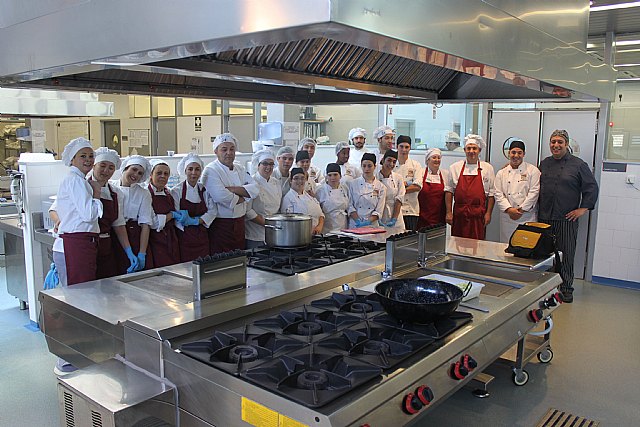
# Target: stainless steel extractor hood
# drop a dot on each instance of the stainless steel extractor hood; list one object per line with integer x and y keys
{"x": 307, "y": 51}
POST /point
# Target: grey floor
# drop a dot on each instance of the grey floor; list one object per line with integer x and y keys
{"x": 595, "y": 372}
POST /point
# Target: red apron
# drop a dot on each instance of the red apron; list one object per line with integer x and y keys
{"x": 431, "y": 200}
{"x": 226, "y": 234}
{"x": 107, "y": 263}
{"x": 80, "y": 256}
{"x": 163, "y": 244}
{"x": 194, "y": 240}
{"x": 133, "y": 234}
{"x": 470, "y": 205}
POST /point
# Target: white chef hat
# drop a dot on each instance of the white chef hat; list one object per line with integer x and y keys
{"x": 286, "y": 150}
{"x": 156, "y": 162}
{"x": 137, "y": 160}
{"x": 341, "y": 146}
{"x": 187, "y": 160}
{"x": 357, "y": 132}
{"x": 475, "y": 139}
{"x": 452, "y": 137}
{"x": 382, "y": 131}
{"x": 260, "y": 156}
{"x": 432, "y": 152}
{"x": 103, "y": 154}
{"x": 224, "y": 137}
{"x": 72, "y": 148}
{"x": 306, "y": 141}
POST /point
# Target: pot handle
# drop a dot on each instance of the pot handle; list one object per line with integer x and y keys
{"x": 467, "y": 289}
{"x": 275, "y": 227}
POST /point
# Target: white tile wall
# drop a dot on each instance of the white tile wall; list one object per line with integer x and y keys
{"x": 617, "y": 248}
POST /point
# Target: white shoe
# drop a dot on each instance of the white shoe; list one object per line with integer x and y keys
{"x": 63, "y": 367}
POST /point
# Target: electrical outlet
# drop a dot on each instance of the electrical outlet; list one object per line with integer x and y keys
{"x": 631, "y": 179}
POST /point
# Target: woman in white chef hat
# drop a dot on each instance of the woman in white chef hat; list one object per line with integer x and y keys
{"x": 79, "y": 207}
{"x": 268, "y": 200}
{"x": 431, "y": 195}
{"x": 315, "y": 173}
{"x": 192, "y": 199}
{"x": 112, "y": 221}
{"x": 163, "y": 239}
{"x": 137, "y": 210}
{"x": 334, "y": 199}
{"x": 347, "y": 170}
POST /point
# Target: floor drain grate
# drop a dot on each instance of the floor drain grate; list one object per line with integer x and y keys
{"x": 558, "y": 418}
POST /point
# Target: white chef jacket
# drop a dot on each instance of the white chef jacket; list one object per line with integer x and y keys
{"x": 304, "y": 204}
{"x": 366, "y": 199}
{"x": 78, "y": 210}
{"x": 311, "y": 185}
{"x": 394, "y": 191}
{"x": 434, "y": 178}
{"x": 334, "y": 204}
{"x": 412, "y": 173}
{"x": 216, "y": 177}
{"x": 285, "y": 183}
{"x": 193, "y": 195}
{"x": 517, "y": 188}
{"x": 488, "y": 176}
{"x": 137, "y": 203}
{"x": 315, "y": 173}
{"x": 355, "y": 155}
{"x": 267, "y": 203}
{"x": 349, "y": 172}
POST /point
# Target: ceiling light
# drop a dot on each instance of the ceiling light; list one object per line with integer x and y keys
{"x": 614, "y": 6}
{"x": 627, "y": 65}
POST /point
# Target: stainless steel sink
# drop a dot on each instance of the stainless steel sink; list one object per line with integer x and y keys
{"x": 480, "y": 270}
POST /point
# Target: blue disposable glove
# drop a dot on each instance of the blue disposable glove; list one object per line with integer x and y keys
{"x": 142, "y": 259}
{"x": 361, "y": 222}
{"x": 178, "y": 216}
{"x": 192, "y": 221}
{"x": 132, "y": 259}
{"x": 391, "y": 222}
{"x": 51, "y": 280}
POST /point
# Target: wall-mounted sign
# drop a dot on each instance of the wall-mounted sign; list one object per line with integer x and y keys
{"x": 197, "y": 123}
{"x": 138, "y": 138}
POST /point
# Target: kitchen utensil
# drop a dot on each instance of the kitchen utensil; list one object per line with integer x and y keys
{"x": 288, "y": 230}
{"x": 419, "y": 300}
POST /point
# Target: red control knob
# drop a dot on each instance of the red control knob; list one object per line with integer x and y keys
{"x": 535, "y": 315}
{"x": 425, "y": 394}
{"x": 411, "y": 404}
{"x": 468, "y": 362}
{"x": 457, "y": 371}
{"x": 558, "y": 297}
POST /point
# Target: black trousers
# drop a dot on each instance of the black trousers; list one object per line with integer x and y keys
{"x": 566, "y": 233}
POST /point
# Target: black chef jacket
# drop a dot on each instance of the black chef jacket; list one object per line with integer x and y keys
{"x": 565, "y": 184}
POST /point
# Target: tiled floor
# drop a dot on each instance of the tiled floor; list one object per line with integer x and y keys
{"x": 595, "y": 372}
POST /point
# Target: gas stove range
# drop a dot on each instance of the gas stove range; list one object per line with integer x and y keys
{"x": 323, "y": 251}
{"x": 315, "y": 353}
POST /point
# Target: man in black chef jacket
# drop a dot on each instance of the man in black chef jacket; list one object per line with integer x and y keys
{"x": 567, "y": 191}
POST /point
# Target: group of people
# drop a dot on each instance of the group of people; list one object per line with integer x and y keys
{"x": 109, "y": 227}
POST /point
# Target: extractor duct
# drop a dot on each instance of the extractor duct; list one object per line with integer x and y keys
{"x": 308, "y": 51}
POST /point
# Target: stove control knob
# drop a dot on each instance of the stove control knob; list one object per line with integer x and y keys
{"x": 468, "y": 362}
{"x": 425, "y": 394}
{"x": 535, "y": 315}
{"x": 457, "y": 371}
{"x": 558, "y": 297}
{"x": 551, "y": 302}
{"x": 544, "y": 304}
{"x": 411, "y": 404}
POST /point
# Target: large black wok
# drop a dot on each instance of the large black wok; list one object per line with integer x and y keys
{"x": 420, "y": 300}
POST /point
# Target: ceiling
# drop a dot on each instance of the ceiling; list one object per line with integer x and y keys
{"x": 625, "y": 24}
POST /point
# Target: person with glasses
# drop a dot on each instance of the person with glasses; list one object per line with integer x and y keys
{"x": 568, "y": 190}
{"x": 366, "y": 195}
{"x": 268, "y": 200}
{"x": 297, "y": 200}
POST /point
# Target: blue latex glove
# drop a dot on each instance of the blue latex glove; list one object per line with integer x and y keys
{"x": 142, "y": 259}
{"x": 192, "y": 221}
{"x": 361, "y": 222}
{"x": 132, "y": 259}
{"x": 391, "y": 222}
{"x": 178, "y": 216}
{"x": 52, "y": 280}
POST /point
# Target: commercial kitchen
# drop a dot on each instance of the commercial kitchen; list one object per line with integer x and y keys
{"x": 245, "y": 338}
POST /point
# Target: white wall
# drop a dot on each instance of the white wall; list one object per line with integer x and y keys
{"x": 346, "y": 117}
{"x": 617, "y": 248}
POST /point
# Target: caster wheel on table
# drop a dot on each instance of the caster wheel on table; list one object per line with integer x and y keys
{"x": 545, "y": 356}
{"x": 521, "y": 379}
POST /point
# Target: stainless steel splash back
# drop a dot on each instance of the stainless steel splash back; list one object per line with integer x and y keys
{"x": 323, "y": 51}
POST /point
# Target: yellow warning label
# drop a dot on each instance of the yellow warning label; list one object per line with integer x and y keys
{"x": 258, "y": 415}
{"x": 288, "y": 422}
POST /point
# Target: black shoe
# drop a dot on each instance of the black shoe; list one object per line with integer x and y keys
{"x": 567, "y": 297}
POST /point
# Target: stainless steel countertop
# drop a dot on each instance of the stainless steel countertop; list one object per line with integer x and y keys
{"x": 9, "y": 224}
{"x": 43, "y": 236}
{"x": 492, "y": 251}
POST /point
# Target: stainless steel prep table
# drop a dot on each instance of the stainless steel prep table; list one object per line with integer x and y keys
{"x": 13, "y": 254}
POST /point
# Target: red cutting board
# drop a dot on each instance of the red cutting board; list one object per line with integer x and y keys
{"x": 365, "y": 230}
